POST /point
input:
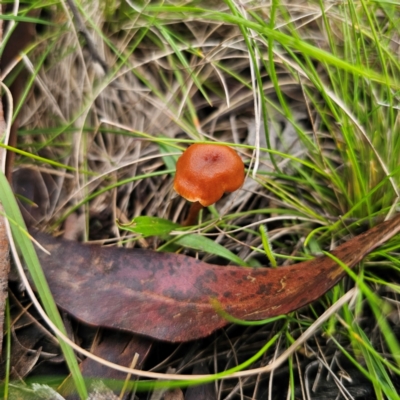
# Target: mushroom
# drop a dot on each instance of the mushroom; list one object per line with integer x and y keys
{"x": 204, "y": 172}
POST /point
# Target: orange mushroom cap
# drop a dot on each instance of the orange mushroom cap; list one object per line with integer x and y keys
{"x": 204, "y": 172}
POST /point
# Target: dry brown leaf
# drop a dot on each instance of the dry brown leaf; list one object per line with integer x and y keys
{"x": 173, "y": 297}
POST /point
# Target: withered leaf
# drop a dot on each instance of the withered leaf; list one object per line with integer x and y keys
{"x": 23, "y": 360}
{"x": 205, "y": 391}
{"x": 119, "y": 348}
{"x": 168, "y": 296}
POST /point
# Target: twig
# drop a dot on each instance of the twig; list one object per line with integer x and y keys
{"x": 4, "y": 248}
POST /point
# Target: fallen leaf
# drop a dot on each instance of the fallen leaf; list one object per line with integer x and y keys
{"x": 170, "y": 296}
{"x": 22, "y": 359}
{"x": 201, "y": 392}
{"x": 31, "y": 333}
{"x": 174, "y": 394}
{"x": 160, "y": 394}
{"x": 119, "y": 348}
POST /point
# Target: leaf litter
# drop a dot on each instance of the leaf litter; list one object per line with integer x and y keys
{"x": 153, "y": 196}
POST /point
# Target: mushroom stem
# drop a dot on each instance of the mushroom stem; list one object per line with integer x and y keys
{"x": 194, "y": 210}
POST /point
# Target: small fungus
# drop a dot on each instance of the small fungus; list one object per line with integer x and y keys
{"x": 205, "y": 172}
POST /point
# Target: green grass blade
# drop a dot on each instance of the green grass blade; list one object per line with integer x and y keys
{"x": 29, "y": 254}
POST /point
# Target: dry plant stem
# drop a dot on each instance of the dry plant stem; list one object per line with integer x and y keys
{"x": 4, "y": 248}
{"x": 194, "y": 210}
{"x": 4, "y": 264}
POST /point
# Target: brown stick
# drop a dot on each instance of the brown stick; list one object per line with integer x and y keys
{"x": 4, "y": 250}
